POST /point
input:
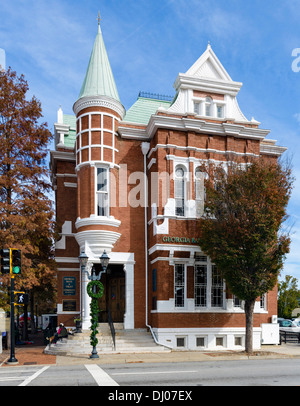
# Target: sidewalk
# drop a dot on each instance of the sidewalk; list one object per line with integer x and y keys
{"x": 32, "y": 354}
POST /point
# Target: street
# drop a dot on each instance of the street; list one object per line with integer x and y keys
{"x": 261, "y": 372}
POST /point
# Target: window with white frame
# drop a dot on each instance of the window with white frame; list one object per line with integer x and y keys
{"x": 180, "y": 342}
{"x": 197, "y": 108}
{"x": 237, "y": 302}
{"x": 179, "y": 191}
{"x": 208, "y": 284}
{"x": 201, "y": 341}
{"x": 220, "y": 111}
{"x": 220, "y": 341}
{"x": 199, "y": 192}
{"x": 179, "y": 285}
{"x": 200, "y": 293}
{"x": 263, "y": 302}
{"x": 102, "y": 191}
{"x": 208, "y": 106}
{"x": 217, "y": 288}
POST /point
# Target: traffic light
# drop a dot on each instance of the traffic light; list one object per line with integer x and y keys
{"x": 16, "y": 262}
{"x": 5, "y": 260}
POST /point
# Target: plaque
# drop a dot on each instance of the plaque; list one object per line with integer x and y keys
{"x": 69, "y": 286}
{"x": 69, "y": 305}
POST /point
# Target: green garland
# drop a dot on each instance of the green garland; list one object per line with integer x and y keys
{"x": 94, "y": 308}
{"x": 98, "y": 285}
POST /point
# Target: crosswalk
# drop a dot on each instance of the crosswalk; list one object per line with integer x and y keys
{"x": 24, "y": 376}
{"x": 100, "y": 376}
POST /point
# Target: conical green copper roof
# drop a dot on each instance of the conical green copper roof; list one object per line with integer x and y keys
{"x": 99, "y": 80}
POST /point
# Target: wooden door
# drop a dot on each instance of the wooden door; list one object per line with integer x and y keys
{"x": 116, "y": 298}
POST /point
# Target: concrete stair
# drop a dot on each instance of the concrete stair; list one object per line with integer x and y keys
{"x": 127, "y": 341}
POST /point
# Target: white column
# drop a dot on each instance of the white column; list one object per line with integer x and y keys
{"x": 129, "y": 305}
{"x": 86, "y": 300}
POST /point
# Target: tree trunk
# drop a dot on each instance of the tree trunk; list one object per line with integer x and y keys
{"x": 249, "y": 307}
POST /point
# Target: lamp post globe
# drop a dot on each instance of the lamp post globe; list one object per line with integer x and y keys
{"x": 83, "y": 259}
{"x": 104, "y": 260}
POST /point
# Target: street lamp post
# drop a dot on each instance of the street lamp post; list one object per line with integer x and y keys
{"x": 104, "y": 260}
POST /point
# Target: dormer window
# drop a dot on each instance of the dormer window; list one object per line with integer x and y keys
{"x": 208, "y": 106}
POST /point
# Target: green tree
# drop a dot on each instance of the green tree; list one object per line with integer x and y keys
{"x": 241, "y": 228}
{"x": 288, "y": 294}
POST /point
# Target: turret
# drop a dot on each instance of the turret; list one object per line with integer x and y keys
{"x": 98, "y": 111}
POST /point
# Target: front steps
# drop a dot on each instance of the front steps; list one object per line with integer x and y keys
{"x": 127, "y": 341}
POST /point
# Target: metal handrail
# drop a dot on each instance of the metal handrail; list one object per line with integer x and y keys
{"x": 112, "y": 328}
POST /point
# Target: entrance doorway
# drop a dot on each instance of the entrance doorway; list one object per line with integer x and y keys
{"x": 113, "y": 298}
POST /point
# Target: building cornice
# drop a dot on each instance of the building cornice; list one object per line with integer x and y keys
{"x": 190, "y": 124}
{"x": 269, "y": 149}
{"x": 99, "y": 101}
{"x": 204, "y": 127}
{"x": 210, "y": 85}
{"x": 63, "y": 155}
{"x": 97, "y": 221}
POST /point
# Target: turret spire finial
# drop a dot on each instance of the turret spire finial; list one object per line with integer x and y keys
{"x": 99, "y": 19}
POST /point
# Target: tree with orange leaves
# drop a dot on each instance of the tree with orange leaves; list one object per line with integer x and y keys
{"x": 26, "y": 212}
{"x": 241, "y": 230}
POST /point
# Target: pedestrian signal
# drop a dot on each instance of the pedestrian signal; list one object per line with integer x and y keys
{"x": 22, "y": 298}
{"x": 5, "y": 261}
{"x": 16, "y": 262}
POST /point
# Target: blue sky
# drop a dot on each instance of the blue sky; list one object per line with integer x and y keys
{"x": 150, "y": 42}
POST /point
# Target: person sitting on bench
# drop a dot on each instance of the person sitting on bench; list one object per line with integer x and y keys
{"x": 61, "y": 333}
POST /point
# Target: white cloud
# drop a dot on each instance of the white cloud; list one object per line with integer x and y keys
{"x": 297, "y": 117}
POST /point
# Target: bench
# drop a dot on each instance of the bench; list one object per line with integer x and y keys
{"x": 289, "y": 336}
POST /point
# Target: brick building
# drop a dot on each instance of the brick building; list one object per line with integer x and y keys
{"x": 128, "y": 182}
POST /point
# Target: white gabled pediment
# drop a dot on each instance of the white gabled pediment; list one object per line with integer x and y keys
{"x": 207, "y": 76}
{"x": 208, "y": 66}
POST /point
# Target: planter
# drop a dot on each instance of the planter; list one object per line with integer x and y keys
{"x": 78, "y": 325}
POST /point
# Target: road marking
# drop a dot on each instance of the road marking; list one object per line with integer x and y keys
{"x": 13, "y": 371}
{"x": 154, "y": 373}
{"x": 32, "y": 377}
{"x": 100, "y": 376}
{"x": 13, "y": 378}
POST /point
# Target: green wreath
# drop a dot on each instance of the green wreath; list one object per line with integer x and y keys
{"x": 90, "y": 292}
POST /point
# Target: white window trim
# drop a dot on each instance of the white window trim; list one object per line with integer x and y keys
{"x": 209, "y": 285}
{"x": 201, "y": 101}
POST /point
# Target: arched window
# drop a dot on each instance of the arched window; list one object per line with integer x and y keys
{"x": 179, "y": 191}
{"x": 208, "y": 106}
